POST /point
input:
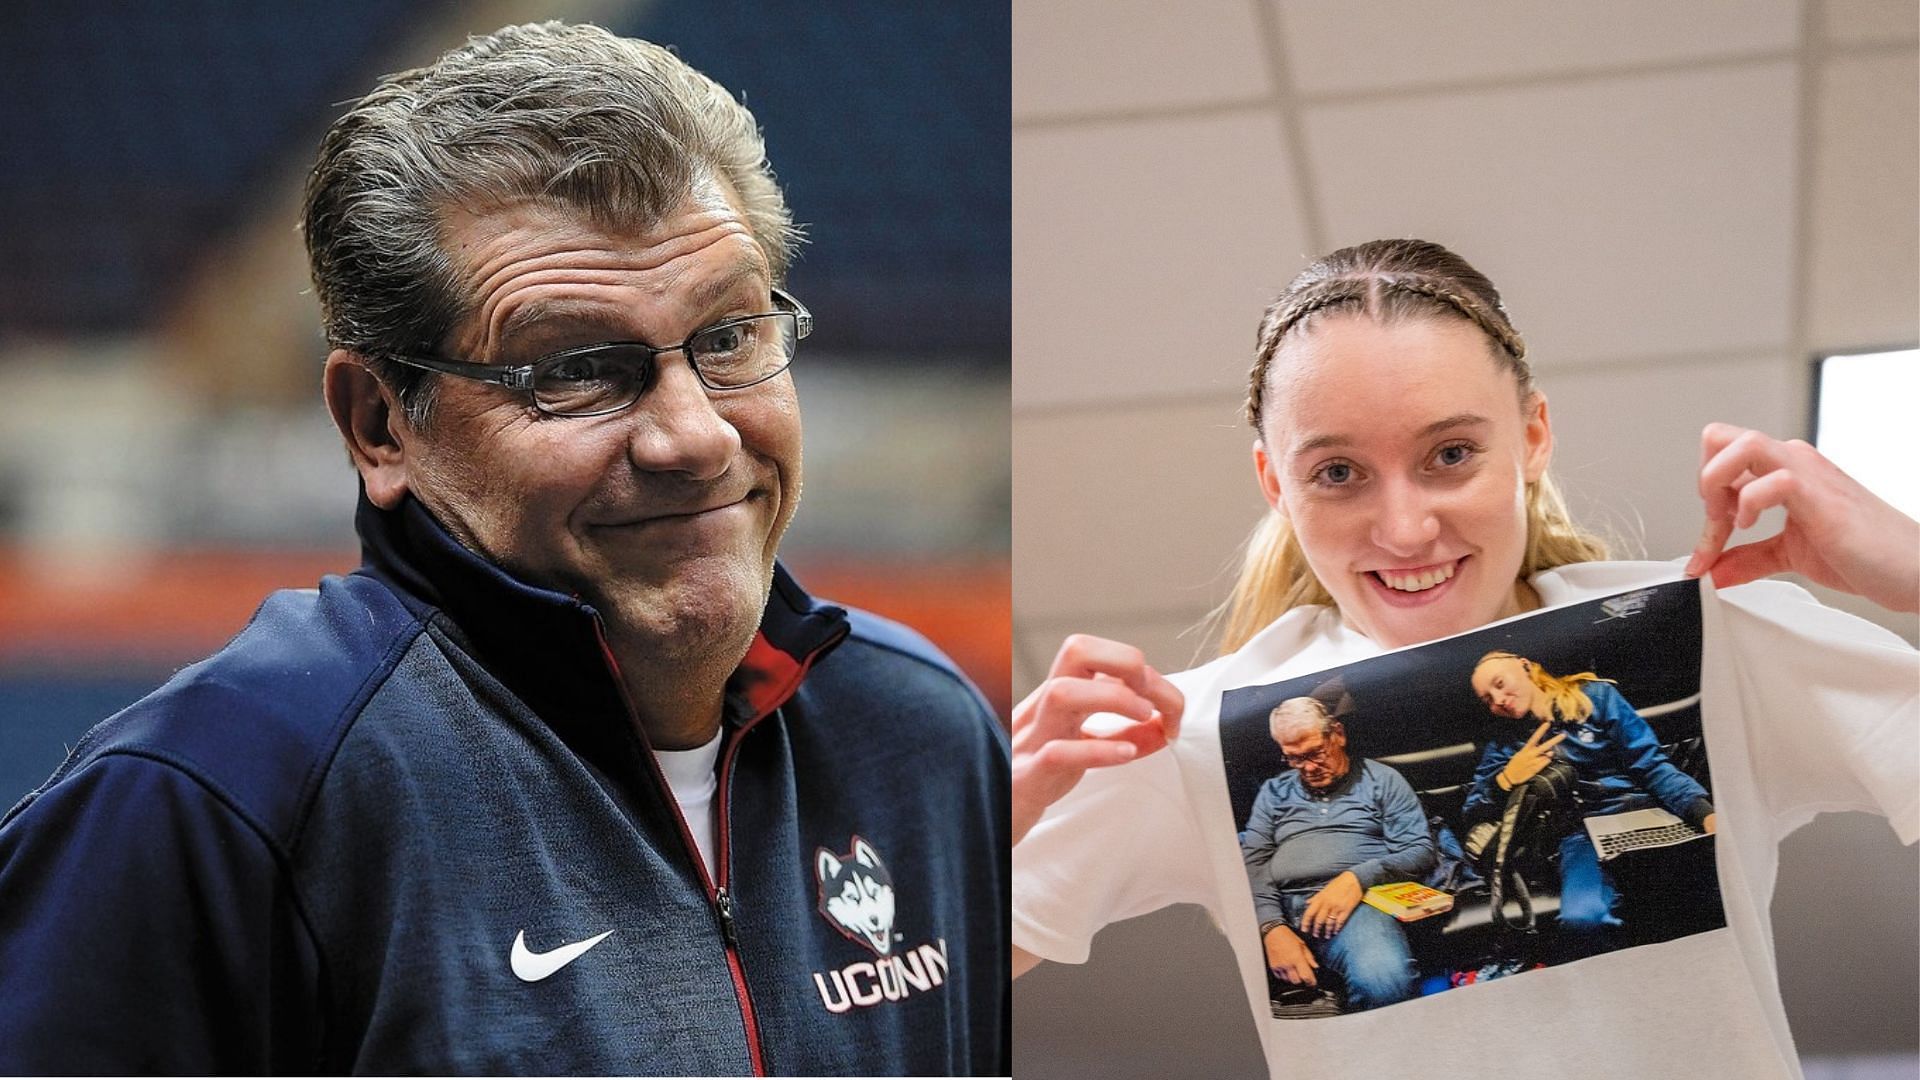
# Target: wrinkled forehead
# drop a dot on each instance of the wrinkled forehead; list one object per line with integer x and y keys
{"x": 466, "y": 223}
{"x": 525, "y": 269}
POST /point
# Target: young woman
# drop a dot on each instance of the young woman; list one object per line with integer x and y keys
{"x": 1403, "y": 449}
{"x": 1617, "y": 763}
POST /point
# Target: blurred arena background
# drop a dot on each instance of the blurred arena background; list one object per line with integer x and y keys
{"x": 1683, "y": 204}
{"x": 165, "y": 460}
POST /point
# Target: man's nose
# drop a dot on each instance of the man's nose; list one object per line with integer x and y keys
{"x": 1407, "y": 524}
{"x": 676, "y": 427}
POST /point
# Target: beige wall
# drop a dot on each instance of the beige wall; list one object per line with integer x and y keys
{"x": 1682, "y": 204}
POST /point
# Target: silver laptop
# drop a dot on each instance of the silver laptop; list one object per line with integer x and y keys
{"x": 1616, "y": 833}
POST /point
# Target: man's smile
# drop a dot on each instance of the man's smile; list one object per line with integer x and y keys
{"x": 694, "y": 514}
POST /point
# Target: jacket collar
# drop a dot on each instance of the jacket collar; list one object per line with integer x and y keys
{"x": 549, "y": 648}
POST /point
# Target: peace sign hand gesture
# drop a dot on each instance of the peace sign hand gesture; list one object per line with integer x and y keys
{"x": 1527, "y": 761}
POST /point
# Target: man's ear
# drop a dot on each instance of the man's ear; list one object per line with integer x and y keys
{"x": 1538, "y": 436}
{"x": 371, "y": 420}
{"x": 1268, "y": 472}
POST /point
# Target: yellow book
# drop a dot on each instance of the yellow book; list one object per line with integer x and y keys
{"x": 1409, "y": 900}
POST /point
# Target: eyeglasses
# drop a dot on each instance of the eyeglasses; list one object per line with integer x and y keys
{"x": 594, "y": 380}
{"x": 1311, "y": 757}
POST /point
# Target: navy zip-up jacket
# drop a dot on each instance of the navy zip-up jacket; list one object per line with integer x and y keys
{"x": 364, "y": 836}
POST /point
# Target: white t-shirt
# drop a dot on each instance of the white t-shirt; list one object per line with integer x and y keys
{"x": 1804, "y": 708}
{"x": 690, "y": 774}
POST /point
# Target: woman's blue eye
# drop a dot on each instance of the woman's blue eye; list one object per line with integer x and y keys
{"x": 1456, "y": 454}
{"x": 1337, "y": 473}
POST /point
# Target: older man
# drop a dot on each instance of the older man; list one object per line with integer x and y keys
{"x": 1319, "y": 836}
{"x": 570, "y": 776}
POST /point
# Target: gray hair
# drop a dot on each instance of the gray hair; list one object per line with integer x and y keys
{"x": 617, "y": 130}
{"x": 1296, "y": 713}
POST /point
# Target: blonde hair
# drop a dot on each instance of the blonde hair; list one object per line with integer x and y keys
{"x": 1564, "y": 697}
{"x": 1387, "y": 280}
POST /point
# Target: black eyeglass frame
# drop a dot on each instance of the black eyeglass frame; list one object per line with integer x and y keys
{"x": 521, "y": 376}
{"x": 1316, "y": 756}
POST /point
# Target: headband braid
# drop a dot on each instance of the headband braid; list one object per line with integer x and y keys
{"x": 1498, "y": 329}
{"x": 1366, "y": 291}
{"x": 1331, "y": 293}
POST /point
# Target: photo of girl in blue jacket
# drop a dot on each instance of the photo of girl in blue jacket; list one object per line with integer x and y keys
{"x": 1618, "y": 767}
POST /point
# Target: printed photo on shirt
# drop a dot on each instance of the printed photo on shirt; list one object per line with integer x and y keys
{"x": 1520, "y": 797}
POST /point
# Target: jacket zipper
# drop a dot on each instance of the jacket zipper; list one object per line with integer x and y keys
{"x": 718, "y": 898}
{"x": 723, "y": 900}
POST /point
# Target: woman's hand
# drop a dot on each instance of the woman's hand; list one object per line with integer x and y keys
{"x": 1289, "y": 957}
{"x": 1526, "y": 762}
{"x": 1051, "y": 751}
{"x": 1837, "y": 533}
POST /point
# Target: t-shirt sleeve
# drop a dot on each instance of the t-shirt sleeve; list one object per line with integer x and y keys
{"x": 1832, "y": 704}
{"x": 1122, "y": 843}
{"x": 143, "y": 929}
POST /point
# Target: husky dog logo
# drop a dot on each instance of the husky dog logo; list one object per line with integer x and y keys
{"x": 856, "y": 894}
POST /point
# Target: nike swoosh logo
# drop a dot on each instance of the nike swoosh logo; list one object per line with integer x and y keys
{"x": 530, "y": 966}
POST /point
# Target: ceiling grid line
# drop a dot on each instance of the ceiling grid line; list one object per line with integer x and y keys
{"x": 1120, "y": 405}
{"x": 1132, "y": 403}
{"x": 1538, "y": 80}
{"x": 1293, "y": 128}
{"x": 1830, "y": 49}
{"x": 1144, "y": 114}
{"x": 1552, "y": 79}
{"x": 1813, "y": 62}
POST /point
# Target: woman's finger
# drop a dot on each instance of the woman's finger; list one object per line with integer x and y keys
{"x": 1167, "y": 699}
{"x": 1145, "y": 738}
{"x": 1727, "y": 454}
{"x": 1777, "y": 488}
{"x": 1058, "y": 707}
{"x": 1713, "y": 539}
{"x": 1724, "y": 459}
{"x": 1080, "y": 755}
{"x": 1083, "y": 656}
{"x": 1751, "y": 562}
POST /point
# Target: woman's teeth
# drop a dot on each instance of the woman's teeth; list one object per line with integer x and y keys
{"x": 1420, "y": 582}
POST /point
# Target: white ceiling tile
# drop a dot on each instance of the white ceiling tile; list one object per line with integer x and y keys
{"x": 1080, "y": 56}
{"x": 1335, "y": 46}
{"x": 1865, "y": 273}
{"x": 1860, "y": 22}
{"x": 1029, "y": 661}
{"x": 1144, "y": 253}
{"x": 1620, "y": 217}
{"x": 1129, "y": 511}
{"x": 1627, "y": 440}
{"x": 1171, "y": 643}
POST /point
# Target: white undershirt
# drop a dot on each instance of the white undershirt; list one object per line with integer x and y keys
{"x": 690, "y": 774}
